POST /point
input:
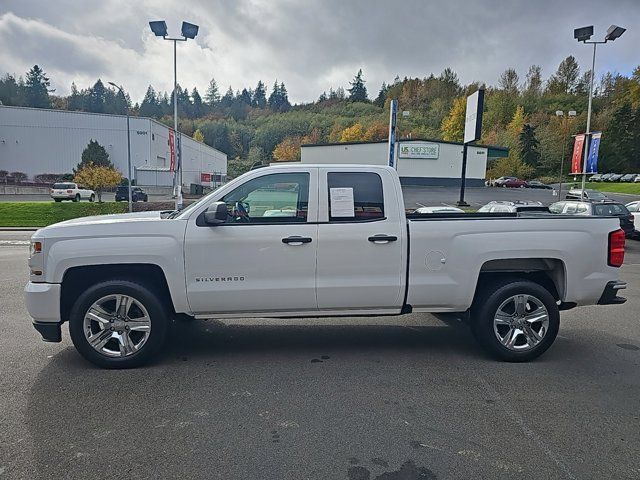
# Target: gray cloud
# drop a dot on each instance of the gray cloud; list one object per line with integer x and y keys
{"x": 311, "y": 45}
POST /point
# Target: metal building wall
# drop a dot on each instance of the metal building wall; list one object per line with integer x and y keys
{"x": 444, "y": 170}
{"x": 37, "y": 141}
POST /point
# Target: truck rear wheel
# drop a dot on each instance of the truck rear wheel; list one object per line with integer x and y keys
{"x": 515, "y": 320}
{"x": 118, "y": 324}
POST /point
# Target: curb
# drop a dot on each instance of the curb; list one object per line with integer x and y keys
{"x": 19, "y": 229}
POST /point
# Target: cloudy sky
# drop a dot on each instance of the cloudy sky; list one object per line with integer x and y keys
{"x": 311, "y": 45}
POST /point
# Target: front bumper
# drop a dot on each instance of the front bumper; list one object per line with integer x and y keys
{"x": 610, "y": 294}
{"x": 43, "y": 304}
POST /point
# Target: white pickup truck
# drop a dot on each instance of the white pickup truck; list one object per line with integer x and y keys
{"x": 309, "y": 241}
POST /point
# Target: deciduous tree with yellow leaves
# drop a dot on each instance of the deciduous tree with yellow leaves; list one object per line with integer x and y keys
{"x": 453, "y": 124}
{"x": 97, "y": 178}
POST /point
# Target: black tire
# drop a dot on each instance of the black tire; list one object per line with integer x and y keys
{"x": 76, "y": 198}
{"x": 92, "y": 198}
{"x": 158, "y": 313}
{"x": 57, "y": 200}
{"x": 486, "y": 305}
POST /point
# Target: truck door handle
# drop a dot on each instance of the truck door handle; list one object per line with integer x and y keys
{"x": 382, "y": 238}
{"x": 296, "y": 240}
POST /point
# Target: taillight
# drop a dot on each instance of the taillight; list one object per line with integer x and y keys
{"x": 631, "y": 218}
{"x": 616, "y": 248}
{"x": 51, "y": 190}
{"x": 69, "y": 191}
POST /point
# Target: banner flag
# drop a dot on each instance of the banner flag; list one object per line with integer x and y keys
{"x": 179, "y": 151}
{"x": 576, "y": 158}
{"x": 172, "y": 151}
{"x": 592, "y": 159}
{"x": 393, "y": 118}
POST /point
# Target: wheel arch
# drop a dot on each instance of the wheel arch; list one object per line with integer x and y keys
{"x": 77, "y": 279}
{"x": 549, "y": 273}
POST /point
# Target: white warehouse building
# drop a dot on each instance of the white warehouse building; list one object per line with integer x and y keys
{"x": 418, "y": 161}
{"x": 36, "y": 141}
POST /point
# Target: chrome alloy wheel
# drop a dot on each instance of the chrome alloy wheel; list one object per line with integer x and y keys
{"x": 117, "y": 325}
{"x": 521, "y": 322}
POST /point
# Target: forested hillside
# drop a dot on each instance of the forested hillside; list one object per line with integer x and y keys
{"x": 259, "y": 124}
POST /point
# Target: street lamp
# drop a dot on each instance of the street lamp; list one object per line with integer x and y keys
{"x": 128, "y": 147}
{"x": 188, "y": 31}
{"x": 583, "y": 35}
{"x": 565, "y": 130}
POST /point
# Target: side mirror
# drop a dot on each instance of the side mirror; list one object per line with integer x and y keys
{"x": 216, "y": 214}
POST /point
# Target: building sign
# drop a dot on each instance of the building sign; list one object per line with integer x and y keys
{"x": 205, "y": 177}
{"x": 419, "y": 150}
{"x": 172, "y": 151}
{"x": 473, "y": 116}
{"x": 576, "y": 158}
{"x": 592, "y": 159}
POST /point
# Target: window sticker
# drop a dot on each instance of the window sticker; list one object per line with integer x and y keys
{"x": 342, "y": 202}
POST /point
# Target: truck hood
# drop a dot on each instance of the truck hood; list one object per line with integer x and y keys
{"x": 98, "y": 223}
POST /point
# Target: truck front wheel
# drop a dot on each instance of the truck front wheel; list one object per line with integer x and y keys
{"x": 515, "y": 320}
{"x": 118, "y": 324}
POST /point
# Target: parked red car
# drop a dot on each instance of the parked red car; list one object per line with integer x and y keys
{"x": 514, "y": 183}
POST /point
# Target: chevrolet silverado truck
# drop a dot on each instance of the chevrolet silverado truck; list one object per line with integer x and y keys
{"x": 311, "y": 241}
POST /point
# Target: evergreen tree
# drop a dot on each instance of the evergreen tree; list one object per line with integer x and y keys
{"x": 95, "y": 100}
{"x": 358, "y": 92}
{"x": 509, "y": 81}
{"x": 150, "y": 106}
{"x": 382, "y": 95}
{"x": 260, "y": 96}
{"x": 284, "y": 98}
{"x": 566, "y": 77}
{"x": 529, "y": 146}
{"x": 76, "y": 99}
{"x": 212, "y": 95}
{"x": 227, "y": 99}
{"x": 36, "y": 89}
{"x": 245, "y": 97}
{"x": 10, "y": 91}
{"x": 533, "y": 82}
{"x": 96, "y": 154}
{"x": 198, "y": 107}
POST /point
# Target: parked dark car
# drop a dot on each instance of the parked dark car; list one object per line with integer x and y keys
{"x": 594, "y": 195}
{"x": 137, "y": 194}
{"x": 600, "y": 209}
{"x": 537, "y": 184}
{"x": 629, "y": 177}
{"x": 596, "y": 178}
{"x": 605, "y": 177}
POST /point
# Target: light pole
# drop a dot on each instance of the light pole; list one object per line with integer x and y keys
{"x": 189, "y": 31}
{"x": 583, "y": 35}
{"x": 565, "y": 130}
{"x": 128, "y": 146}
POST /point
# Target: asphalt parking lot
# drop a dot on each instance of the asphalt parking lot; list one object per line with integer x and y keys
{"x": 414, "y": 196}
{"x": 400, "y": 398}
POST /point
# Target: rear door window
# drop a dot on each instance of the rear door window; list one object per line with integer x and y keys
{"x": 355, "y": 196}
{"x": 609, "y": 209}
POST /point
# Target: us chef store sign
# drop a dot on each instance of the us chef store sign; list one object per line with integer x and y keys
{"x": 419, "y": 150}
